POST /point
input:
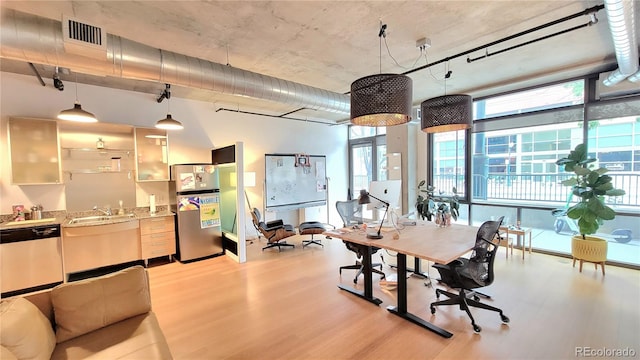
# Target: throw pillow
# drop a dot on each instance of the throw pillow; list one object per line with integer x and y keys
{"x": 87, "y": 305}
{"x": 24, "y": 330}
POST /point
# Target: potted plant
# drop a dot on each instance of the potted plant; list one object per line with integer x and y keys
{"x": 430, "y": 204}
{"x": 590, "y": 187}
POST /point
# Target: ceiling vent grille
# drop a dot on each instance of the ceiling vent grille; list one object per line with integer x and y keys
{"x": 84, "y": 39}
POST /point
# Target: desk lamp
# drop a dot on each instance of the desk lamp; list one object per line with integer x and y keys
{"x": 365, "y": 199}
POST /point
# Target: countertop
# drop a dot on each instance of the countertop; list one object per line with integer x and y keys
{"x": 62, "y": 218}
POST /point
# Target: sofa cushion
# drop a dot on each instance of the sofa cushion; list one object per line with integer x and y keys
{"x": 25, "y": 331}
{"x": 5, "y": 354}
{"x": 136, "y": 338}
{"x": 87, "y": 305}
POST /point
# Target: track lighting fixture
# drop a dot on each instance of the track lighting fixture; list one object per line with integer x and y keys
{"x": 57, "y": 83}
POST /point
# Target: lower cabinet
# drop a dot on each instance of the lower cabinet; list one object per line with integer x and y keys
{"x": 157, "y": 237}
{"x": 90, "y": 247}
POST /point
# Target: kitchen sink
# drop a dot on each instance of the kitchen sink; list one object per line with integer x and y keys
{"x": 100, "y": 219}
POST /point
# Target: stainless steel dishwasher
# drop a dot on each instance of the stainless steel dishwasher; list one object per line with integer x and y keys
{"x": 30, "y": 259}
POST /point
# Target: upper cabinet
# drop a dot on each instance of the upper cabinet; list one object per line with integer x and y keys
{"x": 151, "y": 154}
{"x": 96, "y": 149}
{"x": 35, "y": 157}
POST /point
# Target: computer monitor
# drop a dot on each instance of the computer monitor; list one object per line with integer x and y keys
{"x": 387, "y": 190}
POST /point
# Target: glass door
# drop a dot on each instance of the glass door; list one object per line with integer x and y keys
{"x": 367, "y": 159}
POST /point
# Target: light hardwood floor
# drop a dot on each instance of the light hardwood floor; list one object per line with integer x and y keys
{"x": 286, "y": 305}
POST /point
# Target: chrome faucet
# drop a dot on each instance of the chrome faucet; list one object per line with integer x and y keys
{"x": 106, "y": 212}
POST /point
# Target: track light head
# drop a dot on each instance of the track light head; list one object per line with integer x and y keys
{"x": 57, "y": 83}
{"x": 166, "y": 93}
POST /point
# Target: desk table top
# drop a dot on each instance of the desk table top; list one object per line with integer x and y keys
{"x": 425, "y": 240}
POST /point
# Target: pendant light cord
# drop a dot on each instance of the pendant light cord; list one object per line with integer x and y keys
{"x": 382, "y": 33}
{"x": 76, "y": 88}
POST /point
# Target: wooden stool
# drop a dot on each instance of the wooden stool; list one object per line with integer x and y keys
{"x": 504, "y": 240}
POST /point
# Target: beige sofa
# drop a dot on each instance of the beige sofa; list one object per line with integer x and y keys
{"x": 107, "y": 317}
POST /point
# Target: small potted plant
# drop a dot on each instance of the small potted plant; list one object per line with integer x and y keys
{"x": 436, "y": 204}
{"x": 590, "y": 187}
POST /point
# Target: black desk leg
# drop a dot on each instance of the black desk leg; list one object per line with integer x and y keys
{"x": 417, "y": 271}
{"x": 401, "y": 309}
{"x": 368, "y": 275}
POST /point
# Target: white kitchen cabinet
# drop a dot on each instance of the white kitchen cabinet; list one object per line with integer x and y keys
{"x": 151, "y": 154}
{"x": 35, "y": 156}
{"x": 90, "y": 247}
{"x": 157, "y": 237}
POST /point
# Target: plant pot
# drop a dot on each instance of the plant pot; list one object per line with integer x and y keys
{"x": 590, "y": 249}
{"x": 443, "y": 219}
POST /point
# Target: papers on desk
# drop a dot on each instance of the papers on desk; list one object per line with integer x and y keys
{"x": 342, "y": 231}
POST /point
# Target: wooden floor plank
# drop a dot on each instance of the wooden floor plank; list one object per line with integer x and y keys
{"x": 286, "y": 305}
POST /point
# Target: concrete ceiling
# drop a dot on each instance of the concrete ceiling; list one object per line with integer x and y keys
{"x": 329, "y": 44}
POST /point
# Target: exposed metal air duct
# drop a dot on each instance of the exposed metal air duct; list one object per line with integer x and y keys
{"x": 621, "y": 17}
{"x": 34, "y": 39}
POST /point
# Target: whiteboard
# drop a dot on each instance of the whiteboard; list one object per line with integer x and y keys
{"x": 294, "y": 181}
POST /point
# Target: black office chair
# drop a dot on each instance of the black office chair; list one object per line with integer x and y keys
{"x": 472, "y": 273}
{"x": 275, "y": 231}
{"x": 351, "y": 213}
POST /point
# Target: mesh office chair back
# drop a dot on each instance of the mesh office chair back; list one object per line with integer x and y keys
{"x": 350, "y": 212}
{"x": 480, "y": 267}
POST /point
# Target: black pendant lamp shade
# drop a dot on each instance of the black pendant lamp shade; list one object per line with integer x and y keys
{"x": 447, "y": 113}
{"x": 169, "y": 123}
{"x": 381, "y": 100}
{"x": 77, "y": 114}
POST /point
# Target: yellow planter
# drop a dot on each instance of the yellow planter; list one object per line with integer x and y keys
{"x": 591, "y": 249}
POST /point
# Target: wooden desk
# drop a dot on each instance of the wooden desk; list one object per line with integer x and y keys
{"x": 519, "y": 232}
{"x": 426, "y": 241}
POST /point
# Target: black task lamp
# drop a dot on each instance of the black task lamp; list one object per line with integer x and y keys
{"x": 364, "y": 199}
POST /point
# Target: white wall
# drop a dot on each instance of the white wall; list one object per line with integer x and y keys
{"x": 205, "y": 129}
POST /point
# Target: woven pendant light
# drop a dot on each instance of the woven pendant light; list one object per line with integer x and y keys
{"x": 381, "y": 99}
{"x": 447, "y": 113}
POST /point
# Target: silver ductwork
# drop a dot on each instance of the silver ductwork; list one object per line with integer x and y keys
{"x": 38, "y": 40}
{"x": 621, "y": 16}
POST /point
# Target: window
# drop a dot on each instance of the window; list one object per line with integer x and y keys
{"x": 544, "y": 98}
{"x": 448, "y": 169}
{"x": 519, "y": 164}
{"x": 515, "y": 142}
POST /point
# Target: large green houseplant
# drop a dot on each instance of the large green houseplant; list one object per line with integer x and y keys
{"x": 431, "y": 203}
{"x": 590, "y": 187}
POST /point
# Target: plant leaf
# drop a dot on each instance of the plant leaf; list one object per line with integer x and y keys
{"x": 581, "y": 171}
{"x": 607, "y": 213}
{"x": 615, "y": 192}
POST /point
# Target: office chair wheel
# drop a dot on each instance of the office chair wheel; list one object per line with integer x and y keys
{"x": 476, "y": 328}
{"x": 504, "y": 318}
{"x": 476, "y": 297}
{"x": 355, "y": 280}
{"x": 433, "y": 310}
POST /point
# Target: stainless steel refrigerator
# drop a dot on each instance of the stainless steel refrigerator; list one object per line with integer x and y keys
{"x": 195, "y": 199}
